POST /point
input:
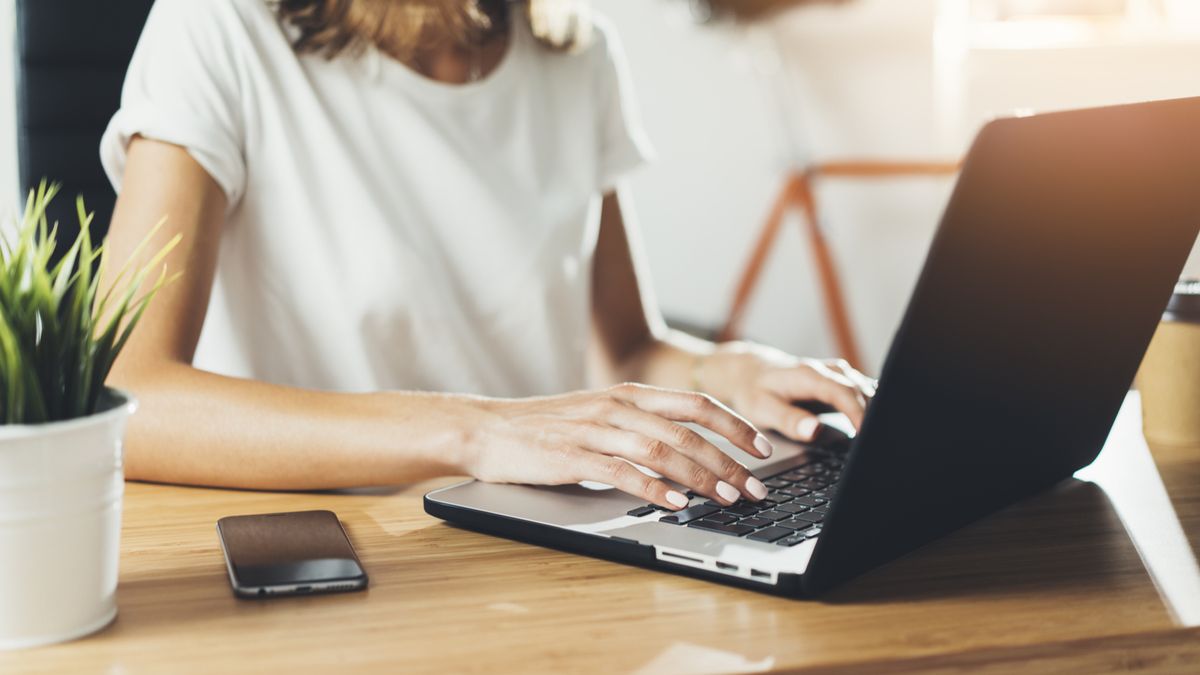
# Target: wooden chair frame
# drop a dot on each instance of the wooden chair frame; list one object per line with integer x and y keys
{"x": 799, "y": 194}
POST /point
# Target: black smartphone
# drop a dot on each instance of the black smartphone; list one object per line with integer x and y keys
{"x": 289, "y": 554}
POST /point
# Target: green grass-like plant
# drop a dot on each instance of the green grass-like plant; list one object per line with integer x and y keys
{"x": 59, "y": 336}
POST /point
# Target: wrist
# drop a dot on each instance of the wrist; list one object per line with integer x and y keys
{"x": 442, "y": 430}
{"x": 723, "y": 371}
{"x": 714, "y": 371}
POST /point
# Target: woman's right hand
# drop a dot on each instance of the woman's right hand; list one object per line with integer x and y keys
{"x": 600, "y": 435}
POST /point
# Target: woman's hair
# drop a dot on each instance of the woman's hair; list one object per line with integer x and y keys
{"x": 403, "y": 28}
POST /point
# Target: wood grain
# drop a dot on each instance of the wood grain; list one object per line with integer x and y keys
{"x": 1056, "y": 584}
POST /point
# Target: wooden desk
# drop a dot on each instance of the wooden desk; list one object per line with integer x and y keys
{"x": 1057, "y": 584}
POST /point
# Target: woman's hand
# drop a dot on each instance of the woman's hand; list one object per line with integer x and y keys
{"x": 765, "y": 384}
{"x": 599, "y": 436}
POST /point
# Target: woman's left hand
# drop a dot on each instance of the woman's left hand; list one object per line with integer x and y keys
{"x": 764, "y": 385}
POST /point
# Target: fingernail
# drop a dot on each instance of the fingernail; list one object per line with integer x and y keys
{"x": 764, "y": 446}
{"x": 727, "y": 491}
{"x": 677, "y": 499}
{"x": 807, "y": 429}
{"x": 756, "y": 488}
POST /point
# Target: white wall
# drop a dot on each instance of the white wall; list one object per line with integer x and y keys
{"x": 718, "y": 164}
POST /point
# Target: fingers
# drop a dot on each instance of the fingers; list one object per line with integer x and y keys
{"x": 867, "y": 385}
{"x": 678, "y": 453}
{"x": 779, "y": 414}
{"x": 622, "y": 475}
{"x": 816, "y": 381}
{"x": 698, "y": 408}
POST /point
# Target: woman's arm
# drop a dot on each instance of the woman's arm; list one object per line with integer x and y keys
{"x": 759, "y": 382}
{"x": 200, "y": 428}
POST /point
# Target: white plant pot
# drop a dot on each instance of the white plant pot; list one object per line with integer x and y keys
{"x": 60, "y": 525}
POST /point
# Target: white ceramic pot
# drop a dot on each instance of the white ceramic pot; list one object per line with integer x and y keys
{"x": 60, "y": 525}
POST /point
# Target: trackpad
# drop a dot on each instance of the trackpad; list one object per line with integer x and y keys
{"x": 564, "y": 505}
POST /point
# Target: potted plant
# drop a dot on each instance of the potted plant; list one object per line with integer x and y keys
{"x": 61, "y": 479}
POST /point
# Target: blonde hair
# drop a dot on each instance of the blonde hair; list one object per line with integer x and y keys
{"x": 403, "y": 28}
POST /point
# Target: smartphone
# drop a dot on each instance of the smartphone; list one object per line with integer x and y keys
{"x": 289, "y": 554}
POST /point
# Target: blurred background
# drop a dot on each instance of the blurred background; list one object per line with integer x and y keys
{"x": 740, "y": 95}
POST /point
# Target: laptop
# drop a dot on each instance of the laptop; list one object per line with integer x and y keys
{"x": 1055, "y": 257}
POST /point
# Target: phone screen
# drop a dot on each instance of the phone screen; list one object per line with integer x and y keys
{"x": 289, "y": 553}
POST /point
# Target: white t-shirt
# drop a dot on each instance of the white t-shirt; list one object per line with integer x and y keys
{"x": 387, "y": 231}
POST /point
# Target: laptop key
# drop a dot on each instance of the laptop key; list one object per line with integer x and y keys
{"x": 792, "y": 507}
{"x": 792, "y": 540}
{"x": 641, "y": 511}
{"x": 808, "y": 501}
{"x": 769, "y": 534}
{"x": 754, "y": 521}
{"x": 774, "y": 515}
{"x": 723, "y": 518}
{"x": 689, "y": 514}
{"x": 776, "y": 483}
{"x": 735, "y": 529}
{"x": 742, "y": 510}
{"x": 810, "y": 517}
{"x": 795, "y": 525}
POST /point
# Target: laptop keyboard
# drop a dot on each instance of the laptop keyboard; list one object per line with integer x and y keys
{"x": 795, "y": 507}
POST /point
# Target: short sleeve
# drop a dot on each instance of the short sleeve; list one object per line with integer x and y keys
{"x": 624, "y": 145}
{"x": 182, "y": 88}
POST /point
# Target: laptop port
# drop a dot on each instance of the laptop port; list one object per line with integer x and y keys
{"x": 672, "y": 554}
{"x": 759, "y": 574}
{"x": 726, "y": 566}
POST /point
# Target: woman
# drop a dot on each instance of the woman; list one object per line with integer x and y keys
{"x": 405, "y": 244}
